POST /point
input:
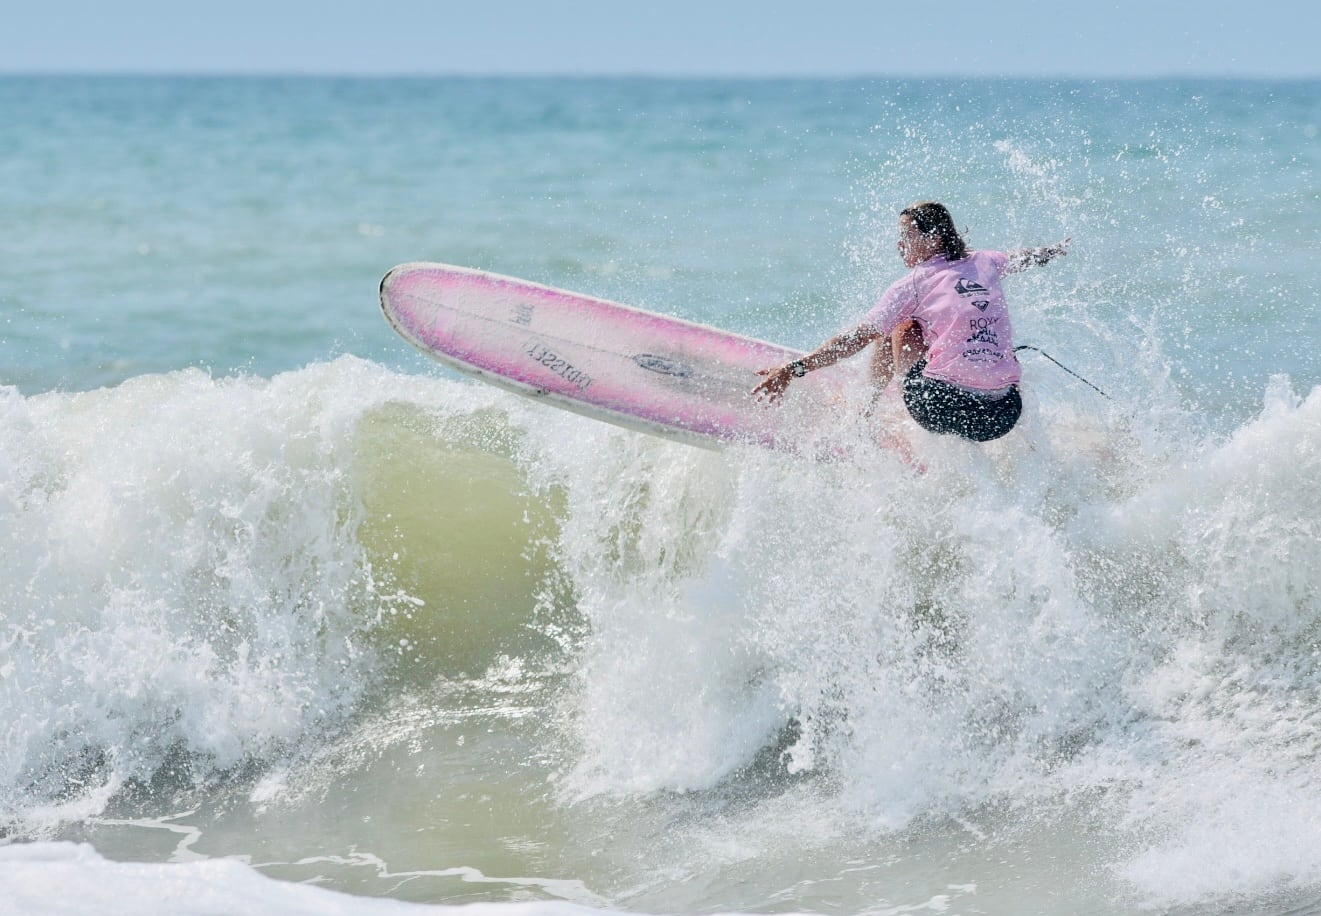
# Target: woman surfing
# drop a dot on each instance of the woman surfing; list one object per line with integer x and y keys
{"x": 944, "y": 328}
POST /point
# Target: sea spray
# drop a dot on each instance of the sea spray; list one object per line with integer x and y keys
{"x": 968, "y": 641}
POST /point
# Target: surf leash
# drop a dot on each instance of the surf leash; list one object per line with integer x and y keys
{"x": 1065, "y": 368}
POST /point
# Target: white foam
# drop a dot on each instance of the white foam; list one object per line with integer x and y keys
{"x": 181, "y": 570}
{"x": 66, "y": 879}
{"x": 1068, "y": 619}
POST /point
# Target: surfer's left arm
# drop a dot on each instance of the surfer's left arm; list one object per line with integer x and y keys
{"x": 1023, "y": 258}
{"x": 841, "y": 346}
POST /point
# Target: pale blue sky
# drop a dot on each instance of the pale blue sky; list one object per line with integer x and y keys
{"x": 669, "y": 37}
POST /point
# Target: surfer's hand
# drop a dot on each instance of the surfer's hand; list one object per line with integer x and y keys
{"x": 1023, "y": 258}
{"x": 777, "y": 380}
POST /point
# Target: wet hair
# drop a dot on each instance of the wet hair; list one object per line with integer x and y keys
{"x": 933, "y": 220}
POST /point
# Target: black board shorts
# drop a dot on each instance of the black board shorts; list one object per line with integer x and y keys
{"x": 944, "y": 408}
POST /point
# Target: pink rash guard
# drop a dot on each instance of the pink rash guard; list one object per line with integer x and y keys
{"x": 963, "y": 316}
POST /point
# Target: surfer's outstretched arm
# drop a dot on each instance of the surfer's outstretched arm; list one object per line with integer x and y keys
{"x": 1024, "y": 258}
{"x": 841, "y": 346}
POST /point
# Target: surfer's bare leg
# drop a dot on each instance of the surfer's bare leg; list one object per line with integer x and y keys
{"x": 882, "y": 366}
{"x": 909, "y": 347}
{"x": 896, "y": 356}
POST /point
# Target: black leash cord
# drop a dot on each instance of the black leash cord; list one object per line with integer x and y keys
{"x": 1065, "y": 368}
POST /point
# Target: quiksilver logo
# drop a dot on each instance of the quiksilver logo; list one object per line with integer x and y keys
{"x": 966, "y": 287}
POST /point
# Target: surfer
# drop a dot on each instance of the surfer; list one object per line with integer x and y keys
{"x": 944, "y": 329}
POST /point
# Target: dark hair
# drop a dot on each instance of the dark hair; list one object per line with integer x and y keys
{"x": 932, "y": 219}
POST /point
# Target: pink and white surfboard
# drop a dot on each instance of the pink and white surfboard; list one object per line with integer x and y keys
{"x": 645, "y": 371}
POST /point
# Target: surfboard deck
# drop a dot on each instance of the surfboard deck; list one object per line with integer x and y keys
{"x": 646, "y": 371}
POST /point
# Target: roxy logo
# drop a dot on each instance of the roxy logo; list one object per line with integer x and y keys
{"x": 983, "y": 331}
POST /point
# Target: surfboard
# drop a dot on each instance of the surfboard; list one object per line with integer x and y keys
{"x": 642, "y": 370}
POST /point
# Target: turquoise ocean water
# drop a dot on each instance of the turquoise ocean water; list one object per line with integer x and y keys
{"x": 288, "y": 613}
